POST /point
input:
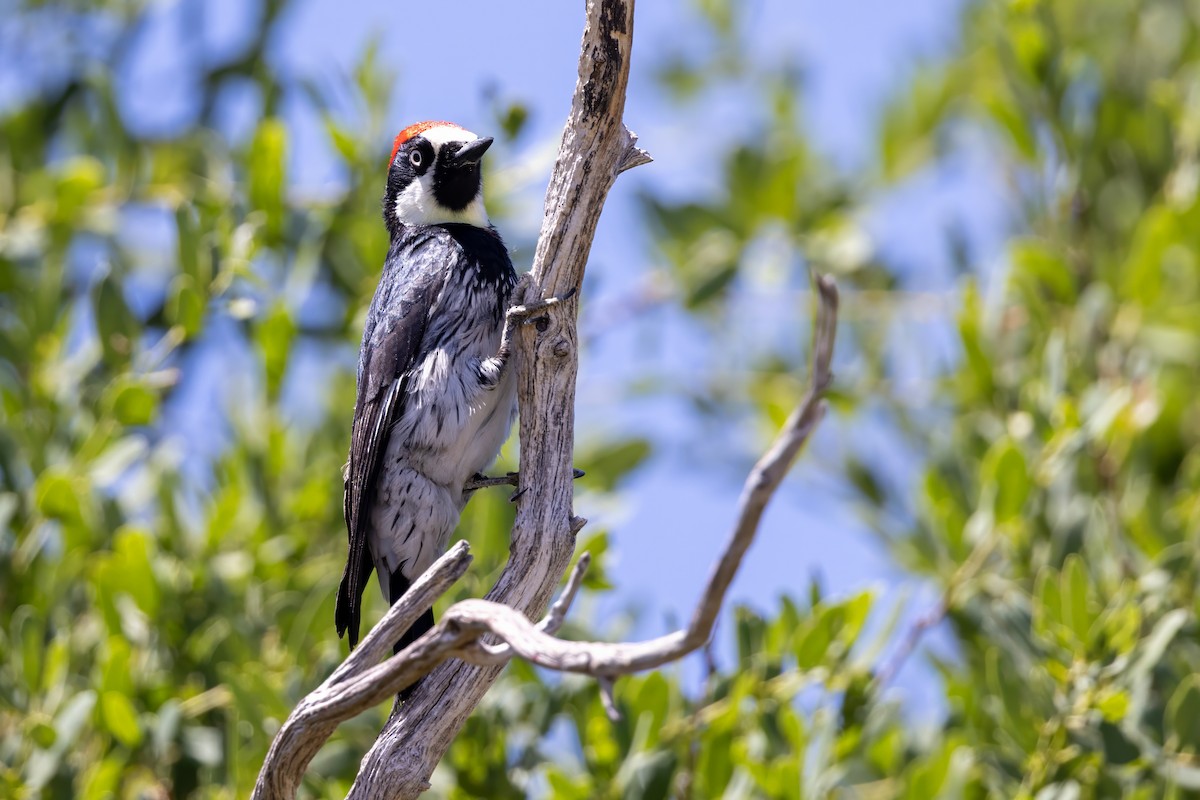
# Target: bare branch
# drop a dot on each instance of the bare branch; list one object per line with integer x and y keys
{"x": 558, "y": 612}
{"x": 931, "y": 618}
{"x": 607, "y": 687}
{"x": 484, "y": 653}
{"x": 606, "y": 660}
{"x": 908, "y": 644}
{"x": 594, "y": 149}
{"x": 358, "y": 684}
{"x": 431, "y": 585}
{"x": 633, "y": 156}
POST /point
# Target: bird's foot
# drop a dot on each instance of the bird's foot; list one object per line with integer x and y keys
{"x": 481, "y": 481}
{"x": 526, "y": 312}
{"x": 521, "y": 314}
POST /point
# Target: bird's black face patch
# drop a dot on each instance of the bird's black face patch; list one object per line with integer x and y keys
{"x": 455, "y": 186}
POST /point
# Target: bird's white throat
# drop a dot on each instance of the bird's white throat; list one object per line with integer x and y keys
{"x": 416, "y": 205}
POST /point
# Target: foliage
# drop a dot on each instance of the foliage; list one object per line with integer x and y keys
{"x": 171, "y": 517}
{"x": 1058, "y": 512}
{"x": 167, "y": 595}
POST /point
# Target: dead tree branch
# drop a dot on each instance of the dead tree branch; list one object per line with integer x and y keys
{"x": 459, "y": 659}
{"x": 595, "y": 148}
{"x": 360, "y": 683}
{"x": 606, "y": 660}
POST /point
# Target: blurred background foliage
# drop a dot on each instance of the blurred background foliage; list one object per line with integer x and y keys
{"x": 164, "y": 606}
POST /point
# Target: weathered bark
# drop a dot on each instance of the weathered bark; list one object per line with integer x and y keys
{"x": 361, "y": 682}
{"x": 595, "y": 148}
{"x": 357, "y": 684}
{"x": 460, "y": 658}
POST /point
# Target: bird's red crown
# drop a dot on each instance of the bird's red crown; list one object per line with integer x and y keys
{"x": 415, "y": 130}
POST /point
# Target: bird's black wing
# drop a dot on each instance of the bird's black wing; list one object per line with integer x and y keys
{"x": 391, "y": 346}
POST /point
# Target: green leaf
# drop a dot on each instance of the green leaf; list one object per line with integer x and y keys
{"x": 267, "y": 161}
{"x": 1121, "y": 625}
{"x": 1035, "y": 260}
{"x": 596, "y": 578}
{"x": 193, "y": 261}
{"x": 58, "y": 495}
{"x": 116, "y": 327}
{"x": 132, "y": 403}
{"x": 29, "y": 631}
{"x": 1183, "y": 715}
{"x": 42, "y": 733}
{"x": 751, "y": 632}
{"x": 716, "y": 762}
{"x": 1113, "y": 705}
{"x": 275, "y": 335}
{"x": 186, "y": 305}
{"x": 1004, "y": 469}
{"x": 120, "y": 718}
{"x": 1077, "y": 598}
{"x": 978, "y": 359}
{"x": 102, "y": 781}
{"x": 513, "y": 119}
{"x": 813, "y": 644}
{"x": 909, "y": 133}
{"x": 856, "y": 611}
{"x": 342, "y": 140}
{"x": 608, "y": 463}
{"x": 78, "y": 179}
{"x": 653, "y": 699}
{"x": 1048, "y": 605}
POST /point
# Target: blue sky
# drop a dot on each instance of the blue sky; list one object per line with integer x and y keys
{"x": 677, "y": 509}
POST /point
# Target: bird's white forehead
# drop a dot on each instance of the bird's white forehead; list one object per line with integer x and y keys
{"x": 439, "y": 135}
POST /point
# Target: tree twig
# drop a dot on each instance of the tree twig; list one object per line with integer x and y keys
{"x": 604, "y": 659}
{"x": 930, "y": 619}
{"x": 485, "y": 653}
{"x": 908, "y": 644}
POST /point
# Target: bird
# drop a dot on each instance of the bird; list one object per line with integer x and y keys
{"x": 435, "y": 396}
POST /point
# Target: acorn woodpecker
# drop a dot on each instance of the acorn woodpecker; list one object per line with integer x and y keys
{"x": 435, "y": 399}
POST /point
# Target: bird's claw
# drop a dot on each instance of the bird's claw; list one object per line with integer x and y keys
{"x": 481, "y": 481}
{"x": 524, "y": 311}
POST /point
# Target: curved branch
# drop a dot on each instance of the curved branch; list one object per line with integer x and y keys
{"x": 485, "y": 653}
{"x": 360, "y": 683}
{"x": 607, "y": 660}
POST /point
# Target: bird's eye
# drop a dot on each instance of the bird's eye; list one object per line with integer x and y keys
{"x": 415, "y": 158}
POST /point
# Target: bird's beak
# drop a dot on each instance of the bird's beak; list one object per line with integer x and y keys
{"x": 471, "y": 152}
